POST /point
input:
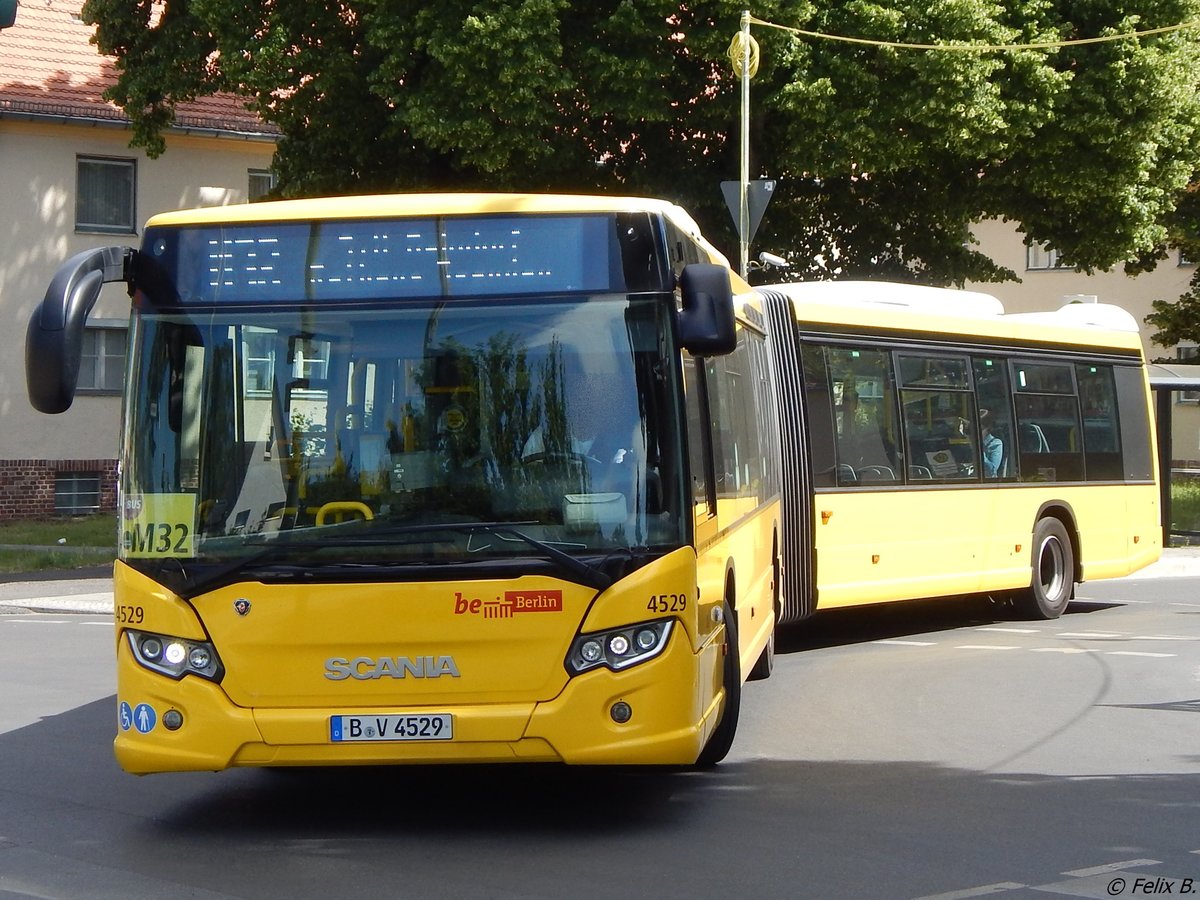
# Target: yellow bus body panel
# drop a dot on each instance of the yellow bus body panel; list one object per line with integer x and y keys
{"x": 737, "y": 543}
{"x": 511, "y": 700}
{"x": 877, "y": 546}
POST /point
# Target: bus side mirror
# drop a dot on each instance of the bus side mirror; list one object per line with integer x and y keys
{"x": 706, "y": 321}
{"x": 54, "y": 340}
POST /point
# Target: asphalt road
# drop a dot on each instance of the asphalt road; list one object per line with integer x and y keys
{"x": 933, "y": 750}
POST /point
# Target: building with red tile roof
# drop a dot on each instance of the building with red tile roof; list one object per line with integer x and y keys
{"x": 50, "y": 69}
{"x": 70, "y": 182}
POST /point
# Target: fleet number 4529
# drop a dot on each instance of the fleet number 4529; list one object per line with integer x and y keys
{"x": 664, "y": 603}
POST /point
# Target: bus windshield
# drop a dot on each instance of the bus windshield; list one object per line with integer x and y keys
{"x": 419, "y": 436}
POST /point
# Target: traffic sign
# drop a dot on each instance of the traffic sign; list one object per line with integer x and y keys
{"x": 758, "y": 195}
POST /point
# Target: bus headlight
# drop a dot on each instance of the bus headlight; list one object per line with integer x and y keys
{"x": 175, "y": 657}
{"x": 620, "y": 648}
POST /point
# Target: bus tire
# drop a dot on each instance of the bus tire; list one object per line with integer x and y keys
{"x": 765, "y": 663}
{"x": 1053, "y": 581}
{"x": 721, "y": 740}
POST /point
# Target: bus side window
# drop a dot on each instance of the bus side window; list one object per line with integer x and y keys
{"x": 864, "y": 398}
{"x": 939, "y": 418}
{"x": 1048, "y": 438}
{"x": 818, "y": 401}
{"x": 733, "y": 398}
{"x": 1101, "y": 434}
{"x": 699, "y": 445}
{"x": 994, "y": 402}
{"x": 1137, "y": 463}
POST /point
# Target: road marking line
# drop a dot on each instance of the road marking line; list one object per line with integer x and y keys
{"x": 24, "y": 621}
{"x": 1063, "y": 650}
{"x": 907, "y": 643}
{"x": 1090, "y": 634}
{"x": 981, "y": 891}
{"x": 984, "y": 647}
{"x": 1113, "y": 867}
{"x": 1136, "y": 653}
{"x": 1163, "y": 637}
{"x": 1008, "y": 630}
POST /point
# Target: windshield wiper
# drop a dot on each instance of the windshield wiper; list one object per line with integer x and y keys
{"x": 585, "y": 573}
{"x": 579, "y": 570}
{"x": 280, "y": 549}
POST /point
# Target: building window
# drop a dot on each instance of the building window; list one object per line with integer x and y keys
{"x": 1039, "y": 256}
{"x": 1185, "y": 260}
{"x": 259, "y": 347}
{"x": 104, "y": 195}
{"x": 1190, "y": 356}
{"x": 262, "y": 182}
{"x": 76, "y": 493}
{"x": 102, "y": 360}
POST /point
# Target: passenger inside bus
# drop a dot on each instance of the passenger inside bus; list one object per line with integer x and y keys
{"x": 992, "y": 446}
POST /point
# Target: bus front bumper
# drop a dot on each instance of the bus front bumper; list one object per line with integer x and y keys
{"x": 670, "y": 713}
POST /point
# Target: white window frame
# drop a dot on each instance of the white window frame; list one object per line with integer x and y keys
{"x": 1039, "y": 257}
{"x": 77, "y": 493}
{"x": 258, "y": 183}
{"x": 100, "y": 333}
{"x": 127, "y": 223}
{"x": 1187, "y": 353}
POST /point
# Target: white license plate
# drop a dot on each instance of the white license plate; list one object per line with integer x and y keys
{"x": 392, "y": 727}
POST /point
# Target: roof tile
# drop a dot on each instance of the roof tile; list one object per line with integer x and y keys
{"x": 48, "y": 66}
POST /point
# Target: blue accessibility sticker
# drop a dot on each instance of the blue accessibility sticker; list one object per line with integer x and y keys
{"x": 126, "y": 716}
{"x": 144, "y": 718}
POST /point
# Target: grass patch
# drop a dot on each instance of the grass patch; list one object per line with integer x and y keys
{"x": 1185, "y": 504}
{"x": 49, "y": 560}
{"x": 87, "y": 541}
{"x": 76, "y": 531}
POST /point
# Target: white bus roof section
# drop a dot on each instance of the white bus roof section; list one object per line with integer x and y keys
{"x": 1084, "y": 315}
{"x": 935, "y": 301}
{"x": 893, "y": 295}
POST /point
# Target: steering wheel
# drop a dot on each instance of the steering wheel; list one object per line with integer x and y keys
{"x": 582, "y": 459}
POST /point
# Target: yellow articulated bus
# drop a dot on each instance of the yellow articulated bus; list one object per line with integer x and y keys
{"x": 432, "y": 478}
{"x": 936, "y": 446}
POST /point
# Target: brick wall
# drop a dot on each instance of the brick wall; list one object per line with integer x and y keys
{"x": 27, "y": 485}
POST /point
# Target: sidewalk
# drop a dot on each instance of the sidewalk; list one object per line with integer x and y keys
{"x": 94, "y": 594}
{"x": 66, "y": 595}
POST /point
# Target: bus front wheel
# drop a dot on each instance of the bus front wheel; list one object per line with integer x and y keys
{"x": 1053, "y": 580}
{"x": 721, "y": 740}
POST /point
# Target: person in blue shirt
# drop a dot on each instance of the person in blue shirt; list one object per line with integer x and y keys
{"x": 993, "y": 447}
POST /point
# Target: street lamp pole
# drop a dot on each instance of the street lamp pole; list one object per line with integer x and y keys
{"x": 744, "y": 179}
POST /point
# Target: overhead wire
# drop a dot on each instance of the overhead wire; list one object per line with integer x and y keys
{"x": 971, "y": 47}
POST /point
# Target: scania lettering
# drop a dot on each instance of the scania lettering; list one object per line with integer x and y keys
{"x": 365, "y": 668}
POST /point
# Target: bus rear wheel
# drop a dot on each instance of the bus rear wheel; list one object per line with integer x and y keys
{"x": 1053, "y": 580}
{"x": 721, "y": 740}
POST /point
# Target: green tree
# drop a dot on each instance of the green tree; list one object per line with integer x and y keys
{"x": 1178, "y": 321}
{"x": 885, "y": 156}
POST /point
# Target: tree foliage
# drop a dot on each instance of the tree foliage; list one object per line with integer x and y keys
{"x": 1178, "y": 321}
{"x": 885, "y": 156}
